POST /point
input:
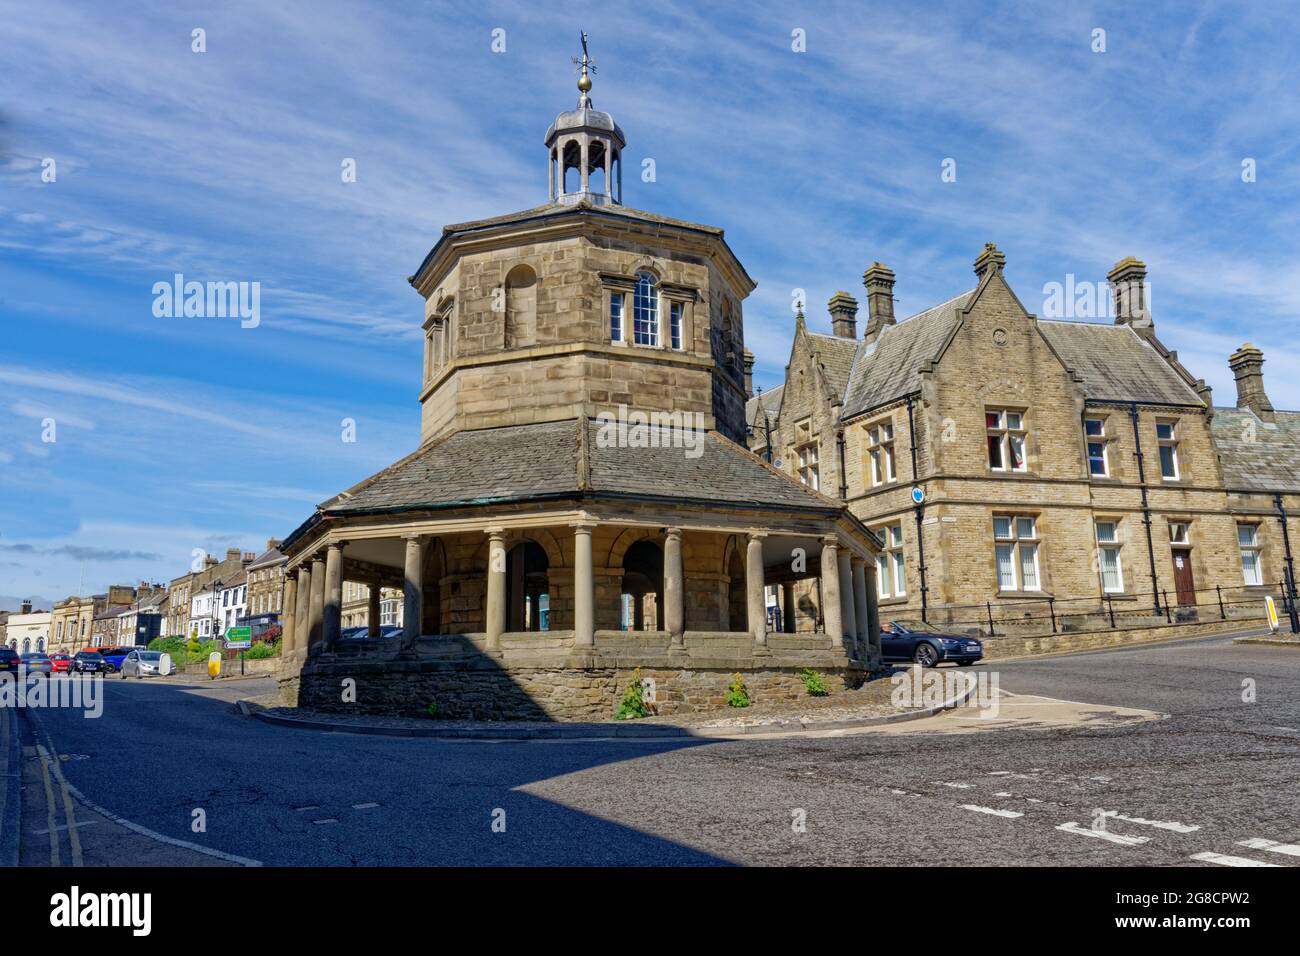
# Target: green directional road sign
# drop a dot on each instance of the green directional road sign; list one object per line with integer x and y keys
{"x": 239, "y": 637}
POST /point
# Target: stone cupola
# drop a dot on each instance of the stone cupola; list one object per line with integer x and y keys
{"x": 588, "y": 142}
{"x": 844, "y": 315}
{"x": 1247, "y": 364}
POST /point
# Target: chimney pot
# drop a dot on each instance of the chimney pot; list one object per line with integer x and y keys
{"x": 1128, "y": 279}
{"x": 844, "y": 315}
{"x": 879, "y": 281}
{"x": 749, "y": 376}
{"x": 1247, "y": 364}
{"x": 990, "y": 259}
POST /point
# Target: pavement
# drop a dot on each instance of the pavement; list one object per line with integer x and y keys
{"x": 1184, "y": 753}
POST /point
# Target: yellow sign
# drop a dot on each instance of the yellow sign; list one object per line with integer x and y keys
{"x": 1271, "y": 608}
{"x": 214, "y": 664}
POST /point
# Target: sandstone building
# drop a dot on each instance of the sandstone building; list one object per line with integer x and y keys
{"x": 1019, "y": 468}
{"x": 581, "y": 502}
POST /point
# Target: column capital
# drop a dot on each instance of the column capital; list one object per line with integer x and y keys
{"x": 756, "y": 535}
{"x": 856, "y": 558}
{"x": 418, "y": 538}
{"x": 673, "y": 532}
{"x": 336, "y": 545}
{"x": 495, "y": 533}
{"x": 583, "y": 526}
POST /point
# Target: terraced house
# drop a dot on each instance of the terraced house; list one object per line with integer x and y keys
{"x": 1015, "y": 467}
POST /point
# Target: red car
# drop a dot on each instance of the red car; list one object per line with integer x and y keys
{"x": 60, "y": 663}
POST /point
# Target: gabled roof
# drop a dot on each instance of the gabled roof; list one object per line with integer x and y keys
{"x": 768, "y": 402}
{"x": 1258, "y": 455}
{"x": 835, "y": 355}
{"x": 270, "y": 556}
{"x": 886, "y": 370}
{"x": 568, "y": 459}
{"x": 1117, "y": 364}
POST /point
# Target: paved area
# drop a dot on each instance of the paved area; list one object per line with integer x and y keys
{"x": 1179, "y": 754}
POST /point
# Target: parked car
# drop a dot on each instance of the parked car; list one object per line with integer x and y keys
{"x": 362, "y": 632}
{"x": 927, "y": 646}
{"x": 9, "y": 660}
{"x": 37, "y": 662}
{"x": 60, "y": 663}
{"x": 88, "y": 662}
{"x": 113, "y": 657}
{"x": 144, "y": 663}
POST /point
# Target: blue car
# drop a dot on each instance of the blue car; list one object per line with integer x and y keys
{"x": 925, "y": 646}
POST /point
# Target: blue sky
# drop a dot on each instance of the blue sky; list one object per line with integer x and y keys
{"x": 183, "y": 433}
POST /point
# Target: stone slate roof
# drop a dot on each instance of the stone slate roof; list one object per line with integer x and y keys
{"x": 835, "y": 355}
{"x": 886, "y": 370}
{"x": 1117, "y": 364}
{"x": 769, "y": 402}
{"x": 270, "y": 556}
{"x": 1258, "y": 455}
{"x": 562, "y": 459}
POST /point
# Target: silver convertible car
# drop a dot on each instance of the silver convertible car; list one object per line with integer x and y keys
{"x": 145, "y": 664}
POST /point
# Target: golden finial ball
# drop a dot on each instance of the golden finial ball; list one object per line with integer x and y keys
{"x": 584, "y": 83}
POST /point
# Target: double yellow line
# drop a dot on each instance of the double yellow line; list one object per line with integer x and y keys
{"x": 52, "y": 773}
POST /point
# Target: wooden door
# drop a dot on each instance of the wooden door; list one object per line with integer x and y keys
{"x": 1183, "y": 579}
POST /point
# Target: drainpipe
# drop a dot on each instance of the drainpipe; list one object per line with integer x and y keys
{"x": 920, "y": 514}
{"x": 1290, "y": 563}
{"x": 844, "y": 478}
{"x": 1146, "y": 507}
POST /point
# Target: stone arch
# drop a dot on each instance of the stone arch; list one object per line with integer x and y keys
{"x": 520, "y": 307}
{"x": 642, "y": 586}
{"x": 626, "y": 538}
{"x": 528, "y": 587}
{"x": 541, "y": 536}
{"x": 432, "y": 572}
{"x": 737, "y": 600}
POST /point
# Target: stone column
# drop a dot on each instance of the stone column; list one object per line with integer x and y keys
{"x": 372, "y": 609}
{"x": 757, "y": 610}
{"x": 873, "y": 615}
{"x": 861, "y": 608}
{"x": 832, "y": 621}
{"x": 584, "y": 154}
{"x": 302, "y": 613}
{"x": 317, "y": 617}
{"x": 787, "y": 607}
{"x": 288, "y": 607}
{"x": 674, "y": 594}
{"x": 333, "y": 617}
{"x": 847, "y": 616}
{"x": 584, "y": 588}
{"x": 412, "y": 591}
{"x": 495, "y": 616}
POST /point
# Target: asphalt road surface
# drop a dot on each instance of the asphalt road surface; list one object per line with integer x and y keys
{"x": 1210, "y": 776}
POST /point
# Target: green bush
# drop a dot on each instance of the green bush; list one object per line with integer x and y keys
{"x": 260, "y": 652}
{"x": 737, "y": 693}
{"x": 432, "y": 710}
{"x": 633, "y": 704}
{"x": 813, "y": 682}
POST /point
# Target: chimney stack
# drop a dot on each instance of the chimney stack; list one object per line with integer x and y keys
{"x": 991, "y": 259}
{"x": 844, "y": 315}
{"x": 1128, "y": 278}
{"x": 232, "y": 554}
{"x": 26, "y": 608}
{"x": 272, "y": 544}
{"x": 1247, "y": 364}
{"x": 749, "y": 376}
{"x": 879, "y": 280}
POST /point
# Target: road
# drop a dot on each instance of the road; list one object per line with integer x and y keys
{"x": 1210, "y": 777}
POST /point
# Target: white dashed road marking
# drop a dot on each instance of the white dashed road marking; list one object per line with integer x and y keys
{"x": 1290, "y": 849}
{"x": 1224, "y": 860}
{"x": 997, "y": 813}
{"x": 1158, "y": 824}
{"x": 1103, "y": 835}
{"x": 321, "y": 822}
{"x": 364, "y": 806}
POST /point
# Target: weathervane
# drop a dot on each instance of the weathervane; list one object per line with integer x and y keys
{"x": 584, "y": 81}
